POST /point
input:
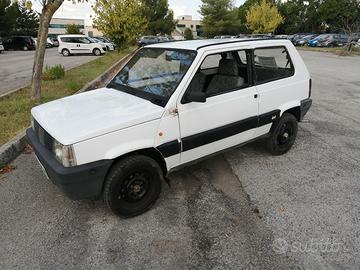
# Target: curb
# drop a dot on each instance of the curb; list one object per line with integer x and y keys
{"x": 13, "y": 148}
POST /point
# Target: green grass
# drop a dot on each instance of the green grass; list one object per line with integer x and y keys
{"x": 15, "y": 108}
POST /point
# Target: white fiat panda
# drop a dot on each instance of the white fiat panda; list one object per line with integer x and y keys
{"x": 171, "y": 104}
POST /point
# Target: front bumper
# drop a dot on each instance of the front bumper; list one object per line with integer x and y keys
{"x": 304, "y": 107}
{"x": 79, "y": 182}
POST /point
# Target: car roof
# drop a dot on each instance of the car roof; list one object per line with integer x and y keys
{"x": 196, "y": 45}
{"x": 71, "y": 36}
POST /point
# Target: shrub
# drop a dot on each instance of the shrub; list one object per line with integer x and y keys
{"x": 188, "y": 35}
{"x": 53, "y": 73}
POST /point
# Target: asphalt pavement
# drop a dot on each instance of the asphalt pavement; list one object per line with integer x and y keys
{"x": 241, "y": 210}
{"x": 16, "y": 66}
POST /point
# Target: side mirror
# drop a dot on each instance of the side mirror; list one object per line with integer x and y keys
{"x": 195, "y": 96}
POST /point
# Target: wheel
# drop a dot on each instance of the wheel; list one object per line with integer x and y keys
{"x": 25, "y": 48}
{"x": 133, "y": 185}
{"x": 97, "y": 52}
{"x": 65, "y": 52}
{"x": 282, "y": 135}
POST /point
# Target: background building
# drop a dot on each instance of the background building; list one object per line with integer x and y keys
{"x": 186, "y": 21}
{"x": 58, "y": 25}
{"x": 90, "y": 31}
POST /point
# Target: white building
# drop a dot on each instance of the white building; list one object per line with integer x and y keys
{"x": 57, "y": 26}
{"x": 186, "y": 21}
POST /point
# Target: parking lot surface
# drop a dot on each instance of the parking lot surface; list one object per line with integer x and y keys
{"x": 241, "y": 210}
{"x": 16, "y": 66}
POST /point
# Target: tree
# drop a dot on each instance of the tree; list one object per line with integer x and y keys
{"x": 120, "y": 20}
{"x": 72, "y": 29}
{"x": 263, "y": 18}
{"x": 28, "y": 21}
{"x": 49, "y": 7}
{"x": 242, "y": 10}
{"x": 9, "y": 12}
{"x": 339, "y": 14}
{"x": 188, "y": 34}
{"x": 160, "y": 18}
{"x": 219, "y": 17}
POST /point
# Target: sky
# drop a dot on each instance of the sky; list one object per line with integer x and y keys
{"x": 83, "y": 10}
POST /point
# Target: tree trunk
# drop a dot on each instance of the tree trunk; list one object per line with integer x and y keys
{"x": 45, "y": 18}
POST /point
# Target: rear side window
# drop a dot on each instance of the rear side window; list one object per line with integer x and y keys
{"x": 272, "y": 64}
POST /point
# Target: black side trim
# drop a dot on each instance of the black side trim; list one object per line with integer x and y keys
{"x": 268, "y": 118}
{"x": 304, "y": 107}
{"x": 170, "y": 149}
{"x": 174, "y": 147}
{"x": 219, "y": 133}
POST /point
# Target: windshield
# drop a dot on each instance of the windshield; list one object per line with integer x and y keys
{"x": 154, "y": 73}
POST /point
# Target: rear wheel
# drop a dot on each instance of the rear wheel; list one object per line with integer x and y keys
{"x": 283, "y": 135}
{"x": 97, "y": 52}
{"x": 133, "y": 185}
{"x": 65, "y": 52}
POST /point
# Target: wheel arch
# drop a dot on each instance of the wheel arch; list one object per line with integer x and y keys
{"x": 292, "y": 108}
{"x": 149, "y": 152}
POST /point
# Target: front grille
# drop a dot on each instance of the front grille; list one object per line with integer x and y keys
{"x": 45, "y": 138}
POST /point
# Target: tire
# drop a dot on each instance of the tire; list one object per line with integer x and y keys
{"x": 96, "y": 52}
{"x": 133, "y": 185}
{"x": 25, "y": 48}
{"x": 65, "y": 52}
{"x": 282, "y": 135}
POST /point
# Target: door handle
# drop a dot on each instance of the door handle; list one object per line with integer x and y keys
{"x": 256, "y": 96}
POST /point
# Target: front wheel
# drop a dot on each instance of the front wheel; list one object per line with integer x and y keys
{"x": 65, "y": 52}
{"x": 97, "y": 52}
{"x": 282, "y": 135}
{"x": 133, "y": 185}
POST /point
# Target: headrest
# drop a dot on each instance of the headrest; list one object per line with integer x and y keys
{"x": 228, "y": 67}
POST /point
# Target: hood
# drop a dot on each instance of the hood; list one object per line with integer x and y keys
{"x": 83, "y": 116}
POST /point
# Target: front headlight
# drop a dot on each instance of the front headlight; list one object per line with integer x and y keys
{"x": 64, "y": 154}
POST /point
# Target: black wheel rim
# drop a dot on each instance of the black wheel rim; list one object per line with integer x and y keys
{"x": 135, "y": 187}
{"x": 285, "y": 135}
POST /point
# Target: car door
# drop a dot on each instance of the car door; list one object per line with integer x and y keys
{"x": 273, "y": 72}
{"x": 229, "y": 115}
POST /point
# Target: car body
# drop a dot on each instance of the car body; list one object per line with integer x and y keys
{"x": 318, "y": 40}
{"x": 107, "y": 41}
{"x": 304, "y": 40}
{"x": 25, "y": 43}
{"x": 52, "y": 42}
{"x": 170, "y": 105}
{"x": 109, "y": 46}
{"x": 79, "y": 44}
{"x": 147, "y": 40}
{"x": 334, "y": 40}
{"x": 1, "y": 46}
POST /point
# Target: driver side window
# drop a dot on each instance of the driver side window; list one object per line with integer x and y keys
{"x": 221, "y": 73}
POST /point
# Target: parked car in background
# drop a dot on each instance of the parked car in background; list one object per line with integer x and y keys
{"x": 357, "y": 43}
{"x": 25, "y": 43}
{"x": 1, "y": 46}
{"x": 317, "y": 40}
{"x": 79, "y": 44}
{"x": 106, "y": 41}
{"x": 165, "y": 39}
{"x": 147, "y": 40}
{"x": 52, "y": 42}
{"x": 304, "y": 40}
{"x": 108, "y": 45}
{"x": 333, "y": 40}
